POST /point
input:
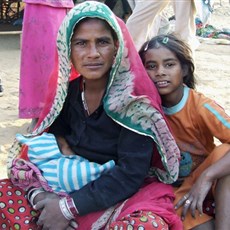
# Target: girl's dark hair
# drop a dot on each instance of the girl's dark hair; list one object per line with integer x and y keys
{"x": 179, "y": 48}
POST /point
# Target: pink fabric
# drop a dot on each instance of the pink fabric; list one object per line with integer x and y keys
{"x": 141, "y": 87}
{"x": 53, "y": 3}
{"x": 154, "y": 193}
{"x": 40, "y": 27}
{"x": 33, "y": 176}
{"x": 29, "y": 171}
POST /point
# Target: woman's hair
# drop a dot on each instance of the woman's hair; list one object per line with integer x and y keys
{"x": 179, "y": 48}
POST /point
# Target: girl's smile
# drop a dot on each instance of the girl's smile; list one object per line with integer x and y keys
{"x": 161, "y": 84}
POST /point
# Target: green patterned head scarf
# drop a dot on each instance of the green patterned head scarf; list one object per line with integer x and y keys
{"x": 131, "y": 99}
{"x": 88, "y": 9}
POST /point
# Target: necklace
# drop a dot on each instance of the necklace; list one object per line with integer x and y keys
{"x": 83, "y": 99}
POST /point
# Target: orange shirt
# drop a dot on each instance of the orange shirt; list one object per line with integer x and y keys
{"x": 195, "y": 121}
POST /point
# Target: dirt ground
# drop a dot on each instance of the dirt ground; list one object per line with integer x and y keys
{"x": 212, "y": 69}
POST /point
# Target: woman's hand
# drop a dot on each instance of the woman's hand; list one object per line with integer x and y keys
{"x": 51, "y": 217}
{"x": 195, "y": 197}
{"x": 43, "y": 196}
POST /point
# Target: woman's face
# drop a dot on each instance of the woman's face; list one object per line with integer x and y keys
{"x": 165, "y": 70}
{"x": 93, "y": 49}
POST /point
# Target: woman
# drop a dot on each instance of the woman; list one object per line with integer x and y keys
{"x": 108, "y": 113}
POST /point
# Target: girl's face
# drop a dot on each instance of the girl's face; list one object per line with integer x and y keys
{"x": 166, "y": 72}
{"x": 93, "y": 49}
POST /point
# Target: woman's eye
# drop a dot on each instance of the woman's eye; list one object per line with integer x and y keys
{"x": 103, "y": 42}
{"x": 78, "y": 43}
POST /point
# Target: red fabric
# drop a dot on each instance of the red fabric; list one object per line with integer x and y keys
{"x": 73, "y": 73}
{"x": 16, "y": 212}
{"x": 155, "y": 193}
{"x": 158, "y": 199}
{"x": 140, "y": 220}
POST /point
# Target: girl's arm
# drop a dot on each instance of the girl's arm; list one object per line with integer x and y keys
{"x": 219, "y": 169}
{"x": 195, "y": 197}
{"x": 213, "y": 122}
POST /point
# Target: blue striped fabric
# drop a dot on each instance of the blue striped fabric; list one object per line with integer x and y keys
{"x": 63, "y": 173}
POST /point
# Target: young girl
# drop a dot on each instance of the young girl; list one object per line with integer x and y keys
{"x": 195, "y": 121}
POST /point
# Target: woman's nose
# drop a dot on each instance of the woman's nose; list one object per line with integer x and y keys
{"x": 93, "y": 51}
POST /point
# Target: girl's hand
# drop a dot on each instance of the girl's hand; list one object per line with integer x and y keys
{"x": 51, "y": 217}
{"x": 195, "y": 197}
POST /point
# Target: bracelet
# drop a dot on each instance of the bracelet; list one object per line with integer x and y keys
{"x": 34, "y": 194}
{"x": 64, "y": 209}
{"x": 71, "y": 206}
{"x": 29, "y": 193}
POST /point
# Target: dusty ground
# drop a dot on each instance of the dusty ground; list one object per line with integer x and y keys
{"x": 212, "y": 68}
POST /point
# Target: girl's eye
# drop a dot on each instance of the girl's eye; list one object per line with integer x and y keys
{"x": 169, "y": 64}
{"x": 150, "y": 66}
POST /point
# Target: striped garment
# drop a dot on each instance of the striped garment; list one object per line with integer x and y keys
{"x": 63, "y": 173}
